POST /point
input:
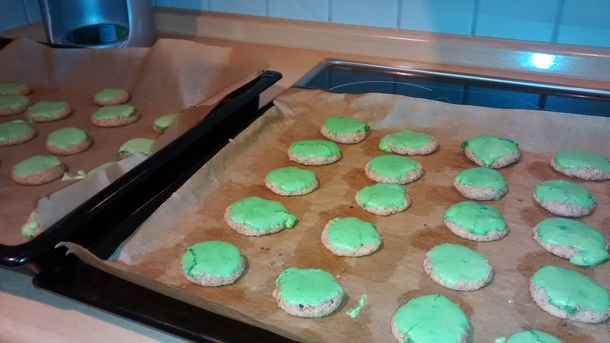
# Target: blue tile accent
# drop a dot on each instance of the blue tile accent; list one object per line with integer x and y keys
{"x": 446, "y": 16}
{"x": 202, "y": 5}
{"x": 585, "y": 24}
{"x": 382, "y": 13}
{"x": 313, "y": 10}
{"x": 251, "y": 7}
{"x": 12, "y": 14}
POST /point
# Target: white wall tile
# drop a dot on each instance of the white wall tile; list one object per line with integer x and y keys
{"x": 251, "y": 7}
{"x": 12, "y": 14}
{"x": 517, "y": 19}
{"x": 447, "y": 16}
{"x": 315, "y": 10}
{"x": 582, "y": 24}
{"x": 383, "y": 13}
{"x": 32, "y": 10}
{"x": 203, "y": 5}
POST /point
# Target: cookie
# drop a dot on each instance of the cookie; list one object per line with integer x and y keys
{"x": 291, "y": 181}
{"x": 68, "y": 141}
{"x": 13, "y": 104}
{"x": 256, "y": 216}
{"x": 409, "y": 142}
{"x": 113, "y": 116}
{"x": 32, "y": 227}
{"x": 480, "y": 184}
{"x": 314, "y": 152}
{"x": 430, "y": 318}
{"x": 393, "y": 169}
{"x": 571, "y": 239}
{"x": 309, "y": 293}
{"x": 532, "y": 336}
{"x": 111, "y": 96}
{"x": 163, "y": 122}
{"x": 475, "y": 222}
{"x": 212, "y": 263}
{"x": 38, "y": 170}
{"x": 582, "y": 165}
{"x": 344, "y": 130}
{"x": 141, "y": 145}
{"x": 458, "y": 268}
{"x": 12, "y": 88}
{"x": 45, "y": 111}
{"x": 350, "y": 237}
{"x": 16, "y": 132}
{"x": 383, "y": 199}
{"x": 567, "y": 294}
{"x": 565, "y": 198}
{"x": 491, "y": 151}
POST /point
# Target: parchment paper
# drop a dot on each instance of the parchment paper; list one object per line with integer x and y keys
{"x": 394, "y": 274}
{"x": 171, "y": 76}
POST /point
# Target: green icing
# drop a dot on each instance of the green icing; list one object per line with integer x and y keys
{"x": 211, "y": 258}
{"x": 532, "y": 336}
{"x": 162, "y": 123}
{"x": 307, "y": 286}
{"x": 35, "y": 165}
{"x": 571, "y": 233}
{"x": 46, "y": 109}
{"x": 382, "y": 196}
{"x": 489, "y": 149}
{"x": 405, "y": 139}
{"x": 392, "y": 166}
{"x": 431, "y": 318}
{"x": 356, "y": 310}
{"x": 14, "y": 130}
{"x": 66, "y": 137}
{"x": 477, "y": 218}
{"x": 349, "y": 234}
{"x": 566, "y": 192}
{"x": 143, "y": 145}
{"x": 571, "y": 291}
{"x": 315, "y": 148}
{"x": 13, "y": 101}
{"x": 482, "y": 178}
{"x": 578, "y": 159}
{"x": 30, "y": 229}
{"x": 261, "y": 214}
{"x": 80, "y": 174}
{"x": 109, "y": 94}
{"x": 500, "y": 340}
{"x": 454, "y": 263}
{"x": 114, "y": 112}
{"x": 291, "y": 179}
{"x": 343, "y": 125}
{"x": 12, "y": 88}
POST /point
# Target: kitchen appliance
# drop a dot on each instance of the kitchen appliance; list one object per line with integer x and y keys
{"x": 99, "y": 23}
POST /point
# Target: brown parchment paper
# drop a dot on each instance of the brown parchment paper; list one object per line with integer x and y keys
{"x": 393, "y": 275}
{"x": 169, "y": 77}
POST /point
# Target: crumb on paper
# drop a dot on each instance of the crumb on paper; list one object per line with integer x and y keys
{"x": 511, "y": 302}
{"x": 500, "y": 340}
{"x": 78, "y": 176}
{"x": 356, "y": 310}
{"x": 231, "y": 140}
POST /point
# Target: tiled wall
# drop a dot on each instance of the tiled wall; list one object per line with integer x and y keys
{"x": 579, "y": 22}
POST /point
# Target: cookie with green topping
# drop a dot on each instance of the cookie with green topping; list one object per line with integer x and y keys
{"x": 565, "y": 198}
{"x": 409, "y": 142}
{"x": 163, "y": 122}
{"x": 350, "y": 237}
{"x": 582, "y": 165}
{"x": 13, "y": 104}
{"x": 308, "y": 293}
{"x": 255, "y": 216}
{"x": 475, "y": 222}
{"x": 16, "y": 132}
{"x": 567, "y": 294}
{"x": 314, "y": 152}
{"x": 141, "y": 145}
{"x": 14, "y": 88}
{"x": 457, "y": 267}
{"x": 38, "y": 170}
{"x": 45, "y": 111}
{"x": 571, "y": 239}
{"x": 383, "y": 199}
{"x": 480, "y": 184}
{"x": 291, "y": 181}
{"x": 116, "y": 115}
{"x": 111, "y": 96}
{"x": 491, "y": 151}
{"x": 68, "y": 141}
{"x": 532, "y": 336}
{"x": 393, "y": 169}
{"x": 344, "y": 130}
{"x": 212, "y": 263}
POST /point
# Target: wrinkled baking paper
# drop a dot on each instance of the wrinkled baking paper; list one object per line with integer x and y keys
{"x": 393, "y": 275}
{"x": 170, "y": 77}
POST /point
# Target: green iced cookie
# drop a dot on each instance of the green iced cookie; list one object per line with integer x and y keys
{"x": 491, "y": 151}
{"x": 255, "y": 216}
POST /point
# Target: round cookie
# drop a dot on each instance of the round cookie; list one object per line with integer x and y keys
{"x": 111, "y": 96}
{"x": 475, "y": 222}
{"x": 314, "y": 152}
{"x": 45, "y": 111}
{"x": 309, "y": 293}
{"x": 491, "y": 151}
{"x": 571, "y": 239}
{"x": 255, "y": 216}
{"x": 291, "y": 181}
{"x": 141, "y": 145}
{"x": 212, "y": 263}
{"x": 430, "y": 318}
{"x": 480, "y": 184}
{"x": 350, "y": 237}
{"x": 162, "y": 123}
{"x": 13, "y": 104}
{"x": 393, "y": 169}
{"x": 13, "y": 88}
{"x": 68, "y": 141}
{"x": 569, "y": 295}
{"x": 565, "y": 198}
{"x": 344, "y": 130}
{"x": 532, "y": 336}
{"x": 582, "y": 165}
{"x": 409, "y": 142}
{"x": 38, "y": 170}
{"x": 383, "y": 199}
{"x": 13, "y": 133}
{"x": 116, "y": 115}
{"x": 458, "y": 268}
